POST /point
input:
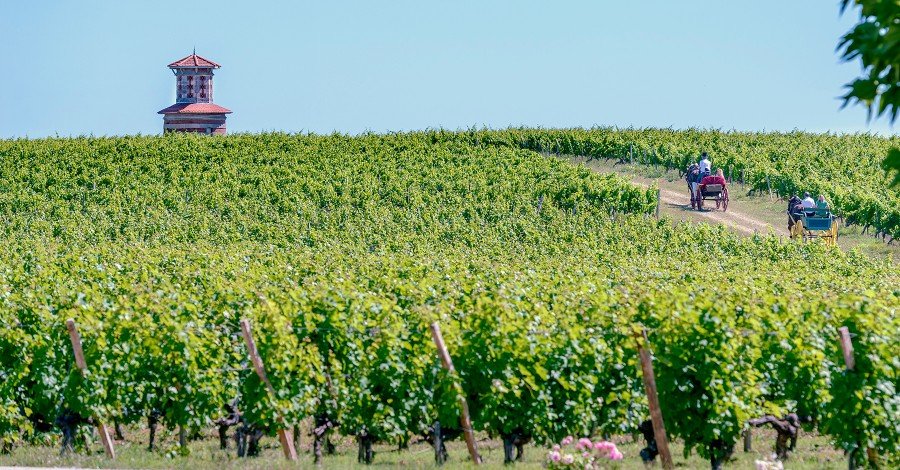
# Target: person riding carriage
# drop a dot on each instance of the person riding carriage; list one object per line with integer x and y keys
{"x": 808, "y": 202}
{"x": 696, "y": 172}
{"x": 719, "y": 179}
{"x": 809, "y": 219}
{"x": 706, "y": 187}
{"x": 822, "y": 208}
{"x": 705, "y": 165}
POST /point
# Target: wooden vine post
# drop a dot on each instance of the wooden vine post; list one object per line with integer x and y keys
{"x": 464, "y": 420}
{"x": 102, "y": 430}
{"x": 657, "y": 203}
{"x": 847, "y": 348}
{"x": 850, "y": 363}
{"x": 284, "y": 435}
{"x": 659, "y": 428}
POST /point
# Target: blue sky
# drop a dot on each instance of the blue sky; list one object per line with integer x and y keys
{"x": 99, "y": 67}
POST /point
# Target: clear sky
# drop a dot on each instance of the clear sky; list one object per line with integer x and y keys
{"x": 99, "y": 67}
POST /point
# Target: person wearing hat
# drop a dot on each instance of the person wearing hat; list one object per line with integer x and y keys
{"x": 705, "y": 164}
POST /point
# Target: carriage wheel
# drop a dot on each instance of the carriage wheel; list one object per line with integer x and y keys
{"x": 719, "y": 201}
{"x": 724, "y": 199}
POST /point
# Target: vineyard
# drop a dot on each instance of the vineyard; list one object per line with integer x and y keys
{"x": 845, "y": 168}
{"x": 341, "y": 251}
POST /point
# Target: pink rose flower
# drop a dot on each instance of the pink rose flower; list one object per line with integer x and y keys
{"x": 567, "y": 440}
{"x": 554, "y": 456}
{"x": 568, "y": 459}
{"x": 584, "y": 443}
{"x": 607, "y": 449}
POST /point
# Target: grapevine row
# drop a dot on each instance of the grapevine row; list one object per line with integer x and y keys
{"x": 845, "y": 168}
{"x": 342, "y": 250}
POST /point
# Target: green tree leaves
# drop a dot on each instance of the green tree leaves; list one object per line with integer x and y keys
{"x": 875, "y": 42}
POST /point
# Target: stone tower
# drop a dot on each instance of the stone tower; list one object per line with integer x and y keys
{"x": 194, "y": 110}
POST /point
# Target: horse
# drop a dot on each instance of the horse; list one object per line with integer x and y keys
{"x": 690, "y": 179}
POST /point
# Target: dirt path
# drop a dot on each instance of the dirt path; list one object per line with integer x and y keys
{"x": 745, "y": 215}
{"x": 732, "y": 218}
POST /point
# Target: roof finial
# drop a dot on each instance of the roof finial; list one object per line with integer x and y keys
{"x": 195, "y": 50}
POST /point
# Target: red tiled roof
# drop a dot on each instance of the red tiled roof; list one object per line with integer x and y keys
{"x": 194, "y": 60}
{"x": 195, "y": 108}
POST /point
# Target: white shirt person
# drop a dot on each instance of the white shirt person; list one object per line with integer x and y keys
{"x": 808, "y": 202}
{"x": 705, "y": 164}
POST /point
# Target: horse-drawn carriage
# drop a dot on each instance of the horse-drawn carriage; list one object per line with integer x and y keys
{"x": 710, "y": 192}
{"x": 715, "y": 189}
{"x": 809, "y": 224}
